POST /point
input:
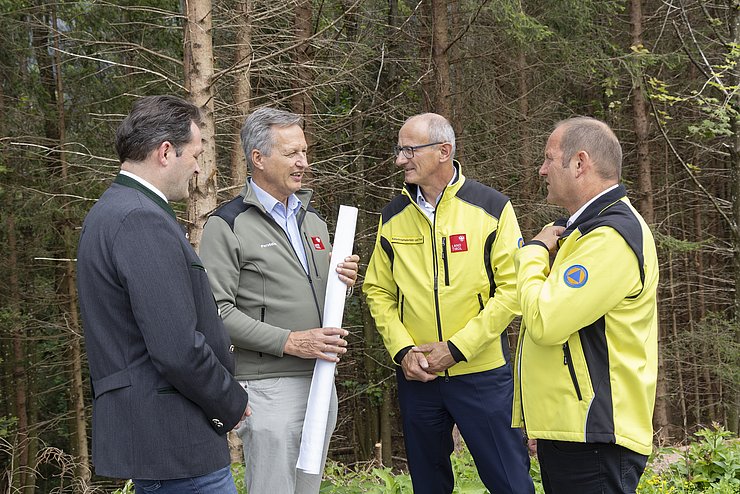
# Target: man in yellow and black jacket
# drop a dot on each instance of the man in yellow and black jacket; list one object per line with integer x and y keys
{"x": 441, "y": 287}
{"x": 587, "y": 356}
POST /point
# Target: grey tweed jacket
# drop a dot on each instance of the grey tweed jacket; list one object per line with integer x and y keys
{"x": 160, "y": 366}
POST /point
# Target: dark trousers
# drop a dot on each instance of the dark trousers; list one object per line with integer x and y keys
{"x": 480, "y": 405}
{"x": 589, "y": 468}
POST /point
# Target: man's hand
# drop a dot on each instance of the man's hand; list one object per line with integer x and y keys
{"x": 347, "y": 270}
{"x": 247, "y": 413}
{"x": 550, "y": 236}
{"x": 323, "y": 343}
{"x": 437, "y": 355}
{"x": 415, "y": 365}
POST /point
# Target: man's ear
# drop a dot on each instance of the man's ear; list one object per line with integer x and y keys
{"x": 583, "y": 164}
{"x": 165, "y": 151}
{"x": 445, "y": 151}
{"x": 257, "y": 159}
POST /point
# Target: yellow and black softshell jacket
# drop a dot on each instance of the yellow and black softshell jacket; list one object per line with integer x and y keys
{"x": 451, "y": 279}
{"x": 587, "y": 356}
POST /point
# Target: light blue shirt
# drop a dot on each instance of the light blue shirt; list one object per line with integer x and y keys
{"x": 427, "y": 207}
{"x": 287, "y": 219}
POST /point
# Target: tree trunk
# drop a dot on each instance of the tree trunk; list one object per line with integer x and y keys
{"x": 198, "y": 65}
{"x": 641, "y": 121}
{"x": 646, "y": 205}
{"x": 529, "y": 177}
{"x": 242, "y": 90}
{"x": 20, "y": 376}
{"x": 300, "y": 100}
{"x": 733, "y": 408}
{"x": 83, "y": 473}
{"x": 442, "y": 102}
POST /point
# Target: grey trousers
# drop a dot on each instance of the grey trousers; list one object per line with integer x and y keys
{"x": 272, "y": 436}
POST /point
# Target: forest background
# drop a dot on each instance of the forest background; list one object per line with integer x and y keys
{"x": 662, "y": 73}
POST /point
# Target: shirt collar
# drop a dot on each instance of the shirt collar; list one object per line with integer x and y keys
{"x": 145, "y": 184}
{"x": 427, "y": 205}
{"x": 270, "y": 203}
{"x": 580, "y": 211}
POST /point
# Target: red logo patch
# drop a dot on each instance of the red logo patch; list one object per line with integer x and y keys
{"x": 317, "y": 243}
{"x": 458, "y": 243}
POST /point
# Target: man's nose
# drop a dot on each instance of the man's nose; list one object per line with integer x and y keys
{"x": 302, "y": 160}
{"x": 543, "y": 169}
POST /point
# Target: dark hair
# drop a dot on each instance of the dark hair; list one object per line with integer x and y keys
{"x": 152, "y": 121}
{"x": 596, "y": 138}
{"x": 257, "y": 130}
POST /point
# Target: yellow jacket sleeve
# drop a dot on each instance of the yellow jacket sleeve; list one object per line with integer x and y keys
{"x": 382, "y": 299}
{"x": 557, "y": 303}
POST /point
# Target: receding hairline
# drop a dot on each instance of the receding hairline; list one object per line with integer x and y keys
{"x": 427, "y": 118}
{"x": 567, "y": 123}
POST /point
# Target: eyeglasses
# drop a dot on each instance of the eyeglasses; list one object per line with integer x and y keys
{"x": 408, "y": 151}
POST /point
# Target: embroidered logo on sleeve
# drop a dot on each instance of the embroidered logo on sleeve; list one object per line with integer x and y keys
{"x": 317, "y": 243}
{"x": 576, "y": 276}
{"x": 458, "y": 243}
{"x": 520, "y": 242}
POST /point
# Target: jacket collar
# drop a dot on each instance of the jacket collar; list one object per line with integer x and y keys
{"x": 250, "y": 198}
{"x": 130, "y": 182}
{"x": 412, "y": 189}
{"x": 594, "y": 209}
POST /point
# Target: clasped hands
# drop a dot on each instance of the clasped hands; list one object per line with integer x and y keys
{"x": 424, "y": 362}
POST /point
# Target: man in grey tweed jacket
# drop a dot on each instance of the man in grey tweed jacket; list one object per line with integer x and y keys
{"x": 163, "y": 392}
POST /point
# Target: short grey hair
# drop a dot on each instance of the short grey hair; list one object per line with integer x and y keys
{"x": 439, "y": 128}
{"x": 257, "y": 132}
{"x": 597, "y": 139}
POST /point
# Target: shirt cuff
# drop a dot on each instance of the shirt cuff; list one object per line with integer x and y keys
{"x": 537, "y": 242}
{"x": 456, "y": 353}
{"x": 401, "y": 354}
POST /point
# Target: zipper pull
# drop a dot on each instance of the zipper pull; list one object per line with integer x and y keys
{"x": 565, "y": 354}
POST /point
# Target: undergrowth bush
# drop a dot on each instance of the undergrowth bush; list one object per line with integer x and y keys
{"x": 710, "y": 465}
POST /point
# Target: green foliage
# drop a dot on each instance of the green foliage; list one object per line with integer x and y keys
{"x": 128, "y": 488}
{"x": 674, "y": 244}
{"x": 340, "y": 479}
{"x": 711, "y": 464}
{"x": 7, "y": 425}
{"x": 523, "y": 28}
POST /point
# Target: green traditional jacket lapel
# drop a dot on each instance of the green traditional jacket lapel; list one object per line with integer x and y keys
{"x": 130, "y": 182}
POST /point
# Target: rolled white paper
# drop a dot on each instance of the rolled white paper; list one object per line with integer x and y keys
{"x": 317, "y": 410}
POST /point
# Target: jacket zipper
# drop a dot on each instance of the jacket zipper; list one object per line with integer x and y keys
{"x": 308, "y": 274}
{"x": 436, "y": 275}
{"x": 568, "y": 360}
{"x": 444, "y": 260}
{"x": 402, "y": 301}
{"x": 262, "y": 319}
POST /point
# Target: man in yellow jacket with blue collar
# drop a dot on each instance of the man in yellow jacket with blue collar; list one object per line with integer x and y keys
{"x": 587, "y": 356}
{"x": 440, "y": 285}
